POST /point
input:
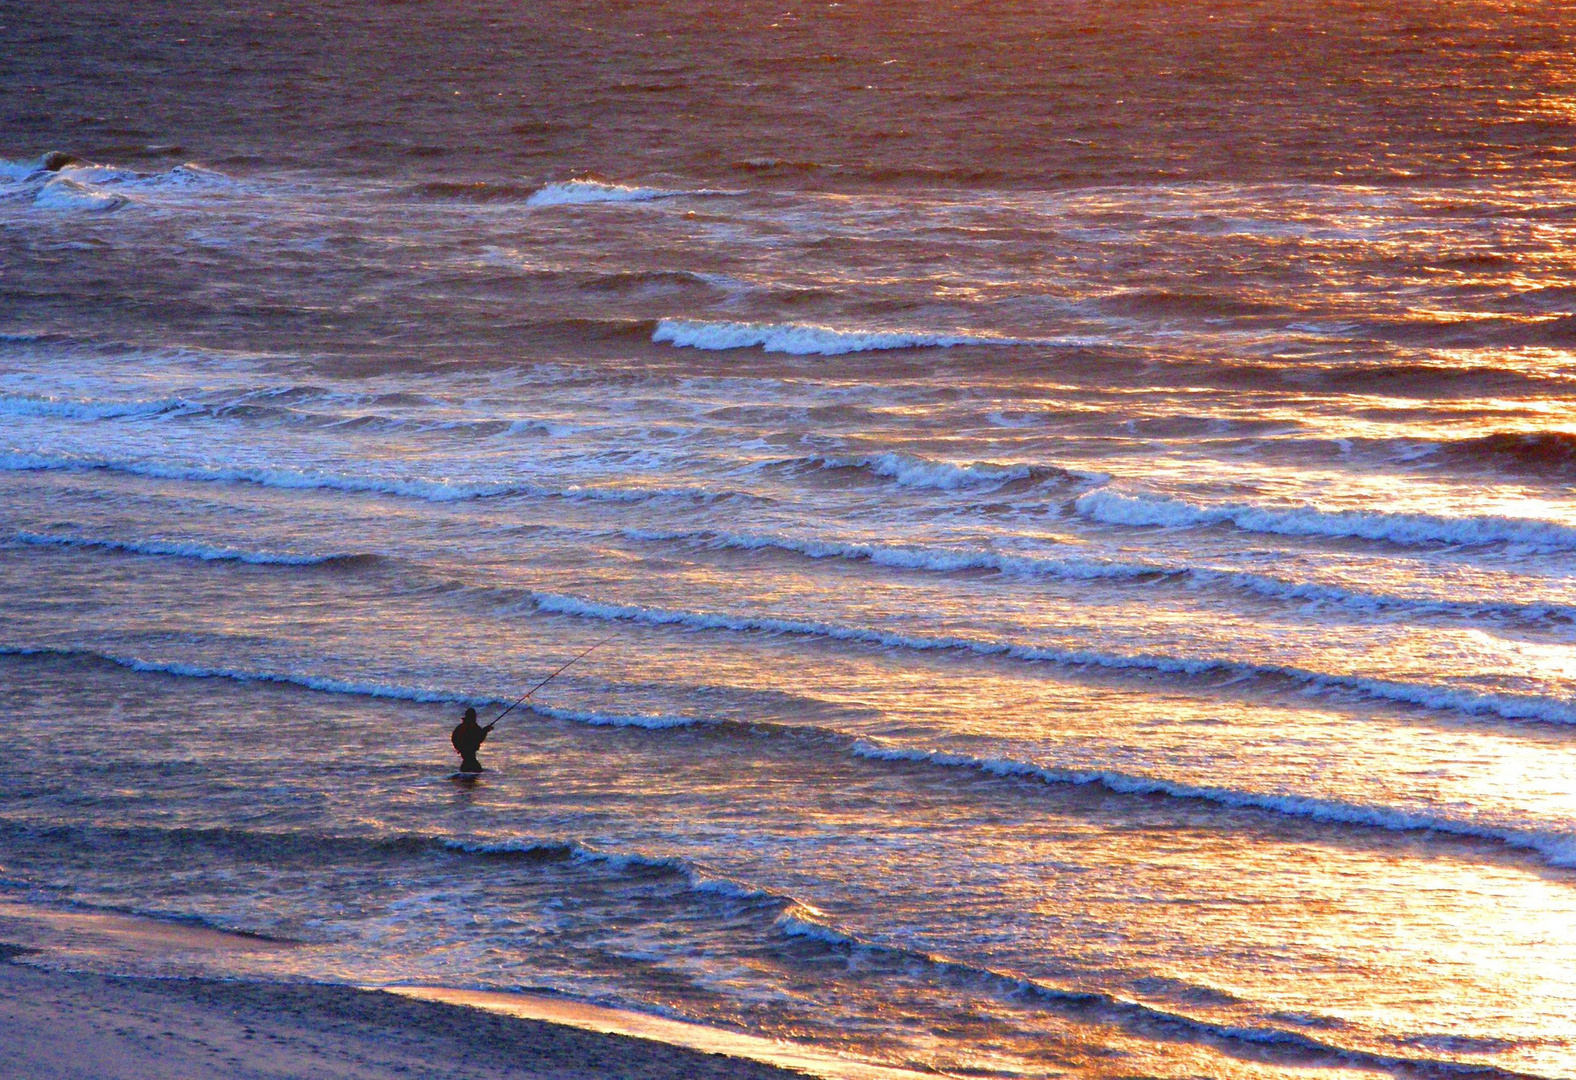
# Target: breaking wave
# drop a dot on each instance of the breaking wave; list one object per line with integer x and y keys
{"x": 206, "y": 553}
{"x": 383, "y": 691}
{"x": 189, "y": 175}
{"x": 579, "y": 192}
{"x": 909, "y": 470}
{"x": 1115, "y": 508}
{"x": 944, "y": 560}
{"x": 60, "y": 182}
{"x": 280, "y": 405}
{"x": 88, "y": 410}
{"x": 62, "y": 193}
{"x": 1506, "y": 706}
{"x": 938, "y": 560}
{"x": 1101, "y": 1005}
{"x": 1557, "y": 849}
{"x": 806, "y": 339}
{"x": 433, "y": 490}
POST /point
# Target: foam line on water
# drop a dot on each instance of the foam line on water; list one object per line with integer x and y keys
{"x": 944, "y": 560}
{"x": 255, "y": 404}
{"x": 934, "y": 559}
{"x": 1507, "y": 706}
{"x": 204, "y": 552}
{"x": 809, "y": 339}
{"x": 1556, "y": 849}
{"x": 74, "y": 409}
{"x": 696, "y": 876}
{"x": 939, "y": 560}
{"x": 1117, "y": 1008}
{"x": 588, "y": 192}
{"x": 188, "y": 175}
{"x": 290, "y": 479}
{"x": 241, "y": 675}
{"x": 384, "y": 691}
{"x": 63, "y": 193}
{"x": 1116, "y": 508}
{"x": 797, "y": 919}
{"x": 913, "y": 471}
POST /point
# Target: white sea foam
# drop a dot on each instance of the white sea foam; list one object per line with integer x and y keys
{"x": 63, "y": 193}
{"x": 796, "y": 922}
{"x": 383, "y": 691}
{"x": 595, "y": 719}
{"x": 241, "y": 675}
{"x": 1557, "y": 849}
{"x": 576, "y": 192}
{"x": 405, "y": 487}
{"x": 204, "y": 552}
{"x": 1507, "y": 706}
{"x": 18, "y": 170}
{"x": 431, "y": 490}
{"x": 801, "y": 924}
{"x": 917, "y": 472}
{"x": 938, "y": 560}
{"x": 87, "y": 410}
{"x": 950, "y": 560}
{"x": 189, "y": 175}
{"x": 697, "y": 878}
{"x": 86, "y": 172}
{"x": 805, "y": 339}
{"x": 1419, "y": 606}
{"x": 1115, "y": 508}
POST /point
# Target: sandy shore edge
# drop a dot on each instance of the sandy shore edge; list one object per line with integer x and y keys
{"x": 72, "y": 1026}
{"x": 61, "y": 1017}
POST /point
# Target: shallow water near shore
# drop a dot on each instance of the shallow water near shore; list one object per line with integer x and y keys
{"x": 1100, "y": 616}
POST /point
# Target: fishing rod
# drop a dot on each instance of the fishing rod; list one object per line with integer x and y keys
{"x": 561, "y": 669}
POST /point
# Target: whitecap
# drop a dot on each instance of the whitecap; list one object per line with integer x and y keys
{"x": 1470, "y": 702}
{"x": 431, "y": 490}
{"x": 1115, "y": 508}
{"x": 63, "y": 193}
{"x": 1557, "y": 849}
{"x": 76, "y": 409}
{"x": 808, "y": 339}
{"x": 581, "y": 192}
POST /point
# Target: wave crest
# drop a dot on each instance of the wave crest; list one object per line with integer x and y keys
{"x": 943, "y": 560}
{"x": 1448, "y": 699}
{"x": 75, "y": 409}
{"x": 1556, "y": 849}
{"x": 1115, "y": 508}
{"x": 909, "y": 470}
{"x": 205, "y": 552}
{"x": 808, "y": 339}
{"x": 431, "y": 490}
{"x": 63, "y": 193}
{"x": 582, "y": 192}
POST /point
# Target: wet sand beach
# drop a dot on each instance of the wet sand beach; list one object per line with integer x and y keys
{"x": 119, "y": 1028}
{"x": 70, "y": 1024}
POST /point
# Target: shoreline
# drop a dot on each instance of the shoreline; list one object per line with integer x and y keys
{"x": 61, "y": 1018}
{"x": 74, "y": 1026}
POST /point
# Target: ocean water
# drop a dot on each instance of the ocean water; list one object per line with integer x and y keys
{"x": 1073, "y": 504}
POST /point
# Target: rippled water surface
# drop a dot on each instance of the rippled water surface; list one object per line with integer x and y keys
{"x": 1075, "y": 504}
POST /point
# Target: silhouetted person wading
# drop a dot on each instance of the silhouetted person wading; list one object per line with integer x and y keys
{"x": 467, "y": 739}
